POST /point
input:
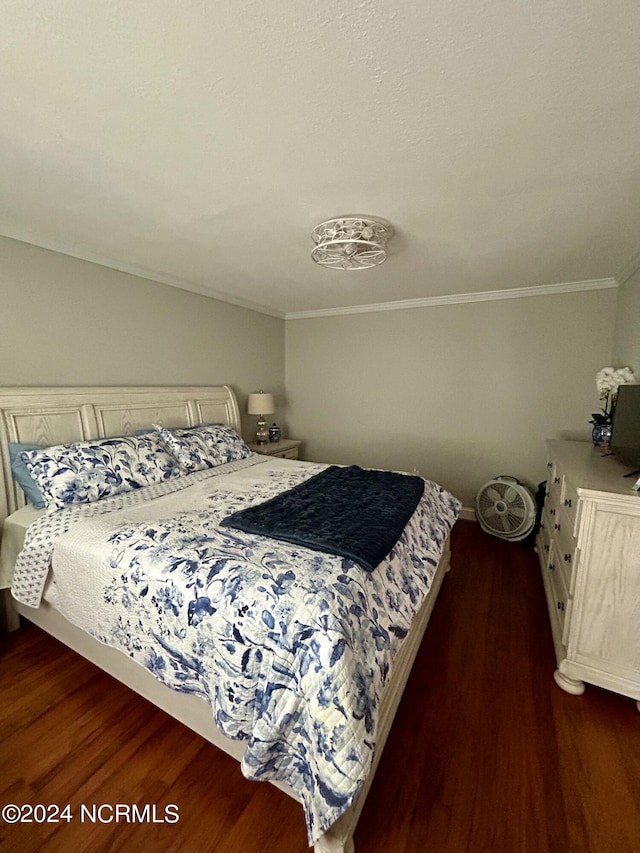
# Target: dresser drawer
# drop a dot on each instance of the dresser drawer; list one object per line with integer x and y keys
{"x": 567, "y": 552}
{"x": 569, "y": 502}
{"x": 550, "y": 517}
{"x": 561, "y": 523}
{"x": 559, "y": 603}
{"x": 544, "y": 537}
{"x": 554, "y": 486}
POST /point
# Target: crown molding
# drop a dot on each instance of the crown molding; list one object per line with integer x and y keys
{"x": 460, "y": 298}
{"x": 403, "y": 304}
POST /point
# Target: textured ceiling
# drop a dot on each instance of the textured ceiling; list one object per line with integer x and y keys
{"x": 199, "y": 143}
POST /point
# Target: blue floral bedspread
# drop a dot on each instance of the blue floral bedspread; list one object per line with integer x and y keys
{"x": 291, "y": 647}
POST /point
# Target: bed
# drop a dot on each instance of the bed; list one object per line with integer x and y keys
{"x": 54, "y": 416}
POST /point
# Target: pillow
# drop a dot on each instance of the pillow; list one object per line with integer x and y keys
{"x": 86, "y": 471}
{"x": 228, "y": 444}
{"x": 188, "y": 448}
{"x": 197, "y": 448}
{"x": 21, "y": 473}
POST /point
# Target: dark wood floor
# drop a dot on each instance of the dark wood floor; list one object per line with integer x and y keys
{"x": 486, "y": 754}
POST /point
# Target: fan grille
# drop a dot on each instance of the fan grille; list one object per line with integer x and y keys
{"x": 503, "y": 510}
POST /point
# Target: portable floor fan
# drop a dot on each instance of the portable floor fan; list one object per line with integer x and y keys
{"x": 506, "y": 508}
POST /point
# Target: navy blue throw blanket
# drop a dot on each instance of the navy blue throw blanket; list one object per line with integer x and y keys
{"x": 349, "y": 511}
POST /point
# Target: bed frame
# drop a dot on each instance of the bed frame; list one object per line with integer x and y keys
{"x": 59, "y": 415}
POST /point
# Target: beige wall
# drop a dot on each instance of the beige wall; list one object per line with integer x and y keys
{"x": 461, "y": 392}
{"x": 627, "y": 330}
{"x": 70, "y": 322}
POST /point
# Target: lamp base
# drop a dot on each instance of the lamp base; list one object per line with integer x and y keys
{"x": 262, "y": 433}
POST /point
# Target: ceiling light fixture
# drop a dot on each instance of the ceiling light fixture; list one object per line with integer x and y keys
{"x": 351, "y": 242}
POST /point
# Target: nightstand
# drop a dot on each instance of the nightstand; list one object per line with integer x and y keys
{"x": 286, "y": 448}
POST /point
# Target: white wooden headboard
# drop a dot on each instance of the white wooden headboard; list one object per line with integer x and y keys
{"x": 58, "y": 415}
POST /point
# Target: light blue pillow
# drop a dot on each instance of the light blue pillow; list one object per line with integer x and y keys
{"x": 87, "y": 471}
{"x": 21, "y": 473}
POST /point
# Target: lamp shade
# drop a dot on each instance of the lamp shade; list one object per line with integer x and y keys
{"x": 260, "y": 404}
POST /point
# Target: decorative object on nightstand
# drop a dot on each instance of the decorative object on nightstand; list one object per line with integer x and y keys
{"x": 286, "y": 448}
{"x": 608, "y": 380}
{"x": 261, "y": 404}
{"x": 274, "y": 433}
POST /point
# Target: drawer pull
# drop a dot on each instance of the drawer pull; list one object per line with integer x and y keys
{"x": 552, "y": 567}
{"x": 567, "y": 502}
{"x": 552, "y": 511}
{"x": 556, "y": 480}
{"x": 556, "y": 526}
{"x": 567, "y": 558}
{"x": 561, "y": 606}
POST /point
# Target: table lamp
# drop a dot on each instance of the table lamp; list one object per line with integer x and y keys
{"x": 261, "y": 404}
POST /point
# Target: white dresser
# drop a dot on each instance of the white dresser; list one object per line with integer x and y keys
{"x": 589, "y": 550}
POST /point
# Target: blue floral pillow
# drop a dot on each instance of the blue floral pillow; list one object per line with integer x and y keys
{"x": 227, "y": 443}
{"x": 86, "y": 471}
{"x": 197, "y": 448}
{"x": 188, "y": 447}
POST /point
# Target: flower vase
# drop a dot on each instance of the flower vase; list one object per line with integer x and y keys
{"x": 601, "y": 434}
